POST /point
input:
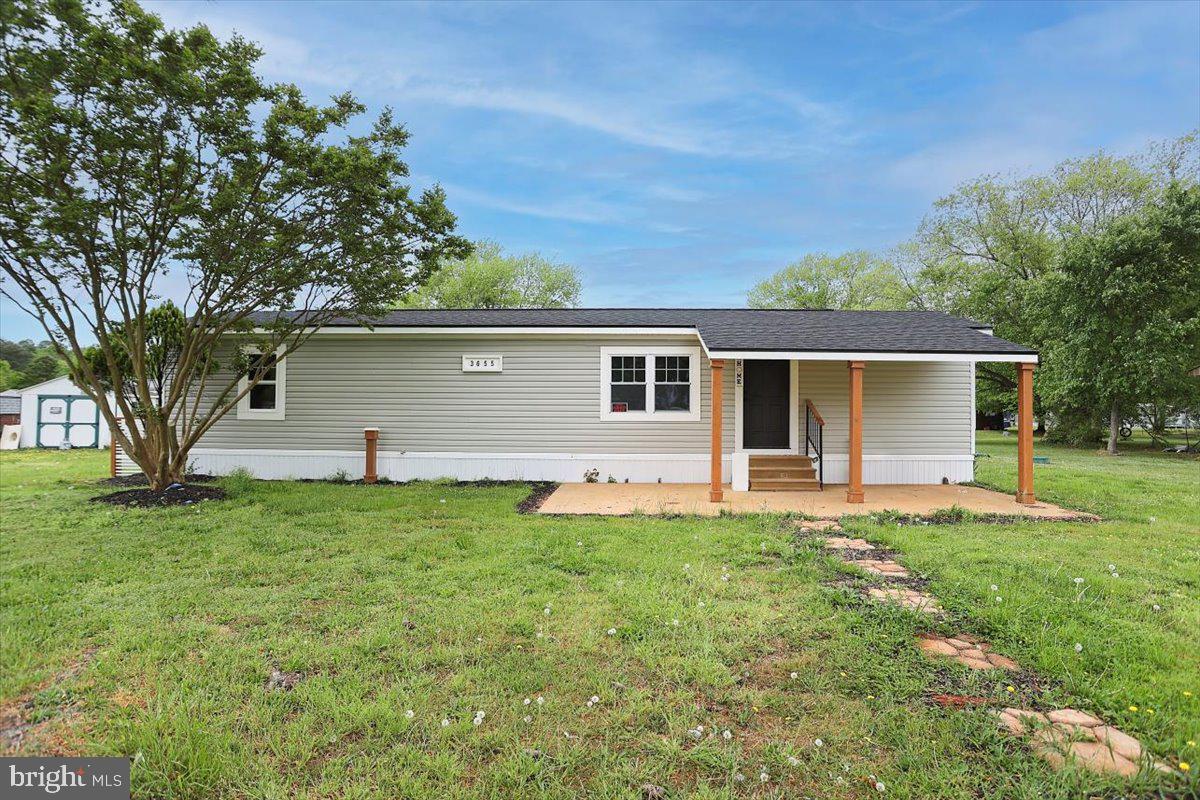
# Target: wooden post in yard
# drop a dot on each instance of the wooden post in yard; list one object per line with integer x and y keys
{"x": 714, "y": 489}
{"x": 372, "y": 437}
{"x": 1025, "y": 433}
{"x": 854, "y": 491}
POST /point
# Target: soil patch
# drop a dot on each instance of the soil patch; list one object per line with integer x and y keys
{"x": 185, "y": 495}
{"x": 531, "y": 504}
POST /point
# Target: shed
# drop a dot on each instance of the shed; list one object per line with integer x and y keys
{"x": 55, "y": 411}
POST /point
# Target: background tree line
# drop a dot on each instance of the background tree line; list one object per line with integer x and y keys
{"x": 26, "y": 362}
{"x": 1096, "y": 263}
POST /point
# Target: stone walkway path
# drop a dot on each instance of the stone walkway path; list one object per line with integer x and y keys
{"x": 1067, "y": 735}
{"x": 966, "y": 650}
{"x": 1062, "y": 737}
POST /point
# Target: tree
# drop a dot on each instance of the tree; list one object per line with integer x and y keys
{"x": 489, "y": 278}
{"x": 134, "y": 159}
{"x": 984, "y": 250}
{"x": 43, "y": 367}
{"x": 8, "y": 376}
{"x": 18, "y": 354}
{"x": 1121, "y": 316}
{"x": 853, "y": 280}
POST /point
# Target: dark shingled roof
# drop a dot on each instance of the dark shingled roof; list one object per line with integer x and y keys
{"x": 730, "y": 329}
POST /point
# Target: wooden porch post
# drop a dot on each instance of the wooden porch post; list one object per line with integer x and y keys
{"x": 1025, "y": 433}
{"x": 370, "y": 475}
{"x": 854, "y": 492}
{"x": 714, "y": 488}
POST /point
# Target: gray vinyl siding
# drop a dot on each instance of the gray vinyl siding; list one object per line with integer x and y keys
{"x": 547, "y": 399}
{"x": 909, "y": 408}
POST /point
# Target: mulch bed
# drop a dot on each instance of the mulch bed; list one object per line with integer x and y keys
{"x": 186, "y": 495}
{"x": 534, "y": 501}
{"x": 141, "y": 480}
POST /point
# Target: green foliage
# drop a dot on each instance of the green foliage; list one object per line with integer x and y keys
{"x": 490, "y": 278}
{"x": 26, "y": 363}
{"x": 163, "y": 340}
{"x": 135, "y": 156}
{"x": 988, "y": 250}
{"x": 1121, "y": 314}
{"x": 853, "y": 280}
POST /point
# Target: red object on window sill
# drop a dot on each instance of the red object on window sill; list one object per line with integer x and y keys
{"x": 620, "y": 407}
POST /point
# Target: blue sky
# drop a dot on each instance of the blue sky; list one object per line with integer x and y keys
{"x": 677, "y": 153}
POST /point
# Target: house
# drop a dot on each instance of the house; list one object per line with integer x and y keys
{"x": 57, "y": 411}
{"x": 10, "y": 407}
{"x": 759, "y": 399}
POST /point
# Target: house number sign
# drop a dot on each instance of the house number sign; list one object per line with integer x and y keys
{"x": 483, "y": 363}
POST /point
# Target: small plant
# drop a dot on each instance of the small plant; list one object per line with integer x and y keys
{"x": 238, "y": 482}
{"x": 611, "y": 479}
{"x": 341, "y": 476}
{"x": 591, "y": 476}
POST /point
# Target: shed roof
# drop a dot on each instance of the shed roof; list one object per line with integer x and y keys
{"x": 732, "y": 329}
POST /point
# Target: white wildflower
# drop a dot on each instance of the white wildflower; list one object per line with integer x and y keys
{"x": 546, "y": 611}
{"x": 527, "y": 701}
{"x": 739, "y": 778}
{"x": 612, "y": 631}
{"x": 794, "y": 675}
{"x": 818, "y": 743}
{"x": 528, "y": 718}
{"x": 445, "y": 723}
{"x": 763, "y": 777}
{"x": 1078, "y": 581}
{"x": 1111, "y": 567}
{"x": 726, "y": 735}
{"x": 540, "y": 700}
{"x": 1078, "y": 647}
{"x": 595, "y": 699}
{"x": 409, "y": 714}
{"x": 1115, "y": 575}
{"x": 995, "y": 587}
{"x": 879, "y": 787}
{"x": 795, "y": 762}
{"x": 675, "y": 622}
{"x": 477, "y": 722}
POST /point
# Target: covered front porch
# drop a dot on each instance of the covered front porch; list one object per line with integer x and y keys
{"x": 851, "y": 423}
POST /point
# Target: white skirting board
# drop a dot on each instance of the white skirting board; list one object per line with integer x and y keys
{"x": 559, "y": 467}
{"x": 880, "y": 469}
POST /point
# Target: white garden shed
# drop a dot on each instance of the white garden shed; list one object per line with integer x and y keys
{"x": 55, "y": 411}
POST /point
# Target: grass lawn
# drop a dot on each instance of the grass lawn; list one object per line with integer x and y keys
{"x": 153, "y": 633}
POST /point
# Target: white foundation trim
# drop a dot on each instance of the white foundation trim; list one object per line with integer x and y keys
{"x": 562, "y": 467}
{"x": 407, "y": 466}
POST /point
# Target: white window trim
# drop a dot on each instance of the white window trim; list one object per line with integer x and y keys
{"x": 244, "y": 411}
{"x": 650, "y": 415}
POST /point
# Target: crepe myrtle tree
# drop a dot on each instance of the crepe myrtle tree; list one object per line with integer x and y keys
{"x": 138, "y": 163}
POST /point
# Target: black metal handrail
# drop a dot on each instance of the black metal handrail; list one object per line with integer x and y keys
{"x": 813, "y": 418}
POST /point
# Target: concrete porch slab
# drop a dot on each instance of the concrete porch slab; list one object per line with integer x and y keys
{"x": 692, "y": 498}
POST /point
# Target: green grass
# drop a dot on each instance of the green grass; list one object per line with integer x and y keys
{"x": 152, "y": 633}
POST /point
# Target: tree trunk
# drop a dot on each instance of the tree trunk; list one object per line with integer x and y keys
{"x": 1114, "y": 429}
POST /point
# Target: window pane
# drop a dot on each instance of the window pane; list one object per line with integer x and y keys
{"x": 672, "y": 397}
{"x": 629, "y": 397}
{"x": 628, "y": 369}
{"x": 262, "y": 366}
{"x": 262, "y": 396}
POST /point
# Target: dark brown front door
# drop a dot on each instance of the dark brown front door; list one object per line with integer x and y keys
{"x": 766, "y": 393}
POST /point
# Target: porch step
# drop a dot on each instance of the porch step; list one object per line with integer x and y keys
{"x": 780, "y": 461}
{"x": 766, "y": 473}
{"x": 785, "y": 485}
{"x": 783, "y": 473}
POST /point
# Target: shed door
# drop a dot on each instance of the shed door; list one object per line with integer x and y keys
{"x": 70, "y": 418}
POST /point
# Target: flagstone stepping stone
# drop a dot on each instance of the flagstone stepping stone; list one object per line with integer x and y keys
{"x": 906, "y": 598}
{"x": 885, "y": 568}
{"x": 965, "y": 650}
{"x": 847, "y": 543}
{"x": 820, "y": 525}
{"x": 1066, "y": 736}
